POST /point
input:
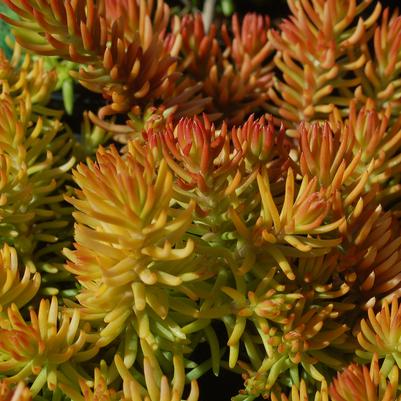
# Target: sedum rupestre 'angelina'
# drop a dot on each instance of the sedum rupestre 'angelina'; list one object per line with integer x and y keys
{"x": 201, "y": 233}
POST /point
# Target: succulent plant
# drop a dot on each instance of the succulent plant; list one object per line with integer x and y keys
{"x": 366, "y": 383}
{"x": 15, "y": 289}
{"x": 34, "y": 158}
{"x": 319, "y": 55}
{"x": 184, "y": 229}
{"x": 236, "y": 78}
{"x": 42, "y": 348}
{"x": 129, "y": 267}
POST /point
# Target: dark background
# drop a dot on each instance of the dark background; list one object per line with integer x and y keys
{"x": 276, "y": 9}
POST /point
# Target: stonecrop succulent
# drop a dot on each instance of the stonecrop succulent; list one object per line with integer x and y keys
{"x": 236, "y": 77}
{"x": 215, "y": 196}
{"x": 129, "y": 266}
{"x": 15, "y": 289}
{"x": 319, "y": 52}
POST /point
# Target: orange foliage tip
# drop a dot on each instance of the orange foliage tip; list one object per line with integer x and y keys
{"x": 381, "y": 67}
{"x": 318, "y": 48}
{"x": 287, "y": 234}
{"x": 35, "y": 155}
{"x": 131, "y": 60}
{"x": 131, "y": 246}
{"x": 311, "y": 339}
{"x": 23, "y": 74}
{"x": 201, "y": 155}
{"x": 302, "y": 221}
{"x": 366, "y": 383}
{"x": 42, "y": 348}
{"x": 380, "y": 333}
{"x": 371, "y": 256}
{"x": 235, "y": 77}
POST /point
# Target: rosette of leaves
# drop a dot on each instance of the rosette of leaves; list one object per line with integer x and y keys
{"x": 235, "y": 75}
{"x": 370, "y": 260}
{"x": 368, "y": 153}
{"x": 327, "y": 154}
{"x": 21, "y": 73}
{"x": 353, "y": 161}
{"x": 318, "y": 51}
{"x": 42, "y": 348}
{"x": 301, "y": 220}
{"x": 202, "y": 158}
{"x": 217, "y": 168}
{"x": 34, "y": 158}
{"x": 375, "y": 147}
{"x": 310, "y": 343}
{"x": 379, "y": 78}
{"x": 345, "y": 154}
{"x": 379, "y": 334}
{"x": 355, "y": 383}
{"x": 132, "y": 257}
{"x": 366, "y": 383}
{"x": 124, "y": 48}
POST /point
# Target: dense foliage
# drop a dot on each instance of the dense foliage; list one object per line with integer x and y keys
{"x": 235, "y": 186}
